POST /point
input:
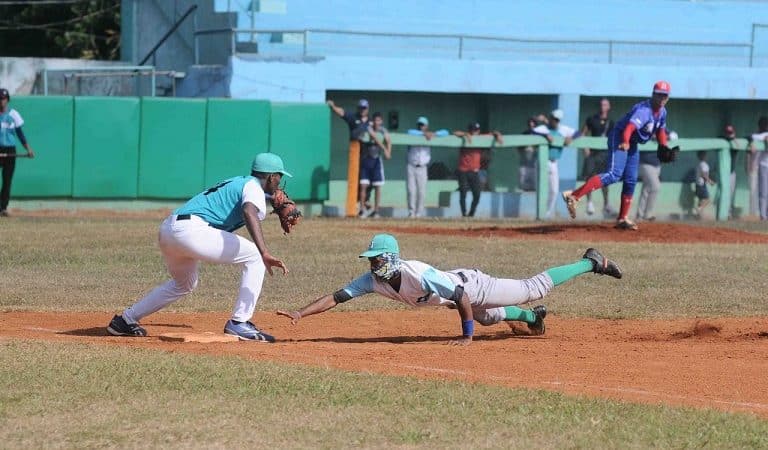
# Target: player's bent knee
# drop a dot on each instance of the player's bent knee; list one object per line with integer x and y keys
{"x": 486, "y": 321}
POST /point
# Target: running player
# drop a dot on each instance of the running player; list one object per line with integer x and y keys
{"x": 474, "y": 294}
{"x": 638, "y": 126}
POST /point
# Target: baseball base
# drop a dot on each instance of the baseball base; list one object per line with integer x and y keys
{"x": 205, "y": 338}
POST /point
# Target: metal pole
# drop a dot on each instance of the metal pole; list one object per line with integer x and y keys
{"x": 153, "y": 81}
{"x": 194, "y": 37}
{"x": 610, "y": 52}
{"x": 306, "y": 37}
{"x": 45, "y": 81}
{"x": 461, "y": 46}
{"x": 752, "y": 46}
{"x": 234, "y": 40}
{"x": 253, "y": 17}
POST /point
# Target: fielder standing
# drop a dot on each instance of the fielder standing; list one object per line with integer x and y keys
{"x": 202, "y": 230}
{"x": 10, "y": 130}
{"x": 474, "y": 294}
{"x": 638, "y": 126}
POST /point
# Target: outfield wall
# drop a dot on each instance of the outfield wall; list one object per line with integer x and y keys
{"x": 159, "y": 148}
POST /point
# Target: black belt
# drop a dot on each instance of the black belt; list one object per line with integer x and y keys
{"x": 463, "y": 277}
{"x": 184, "y": 217}
{"x": 418, "y": 165}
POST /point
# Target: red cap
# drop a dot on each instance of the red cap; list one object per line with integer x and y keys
{"x": 661, "y": 87}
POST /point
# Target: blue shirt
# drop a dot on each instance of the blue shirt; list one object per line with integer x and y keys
{"x": 222, "y": 205}
{"x": 646, "y": 124}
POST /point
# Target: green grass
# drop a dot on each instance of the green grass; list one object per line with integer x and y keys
{"x": 107, "y": 264}
{"x": 79, "y": 396}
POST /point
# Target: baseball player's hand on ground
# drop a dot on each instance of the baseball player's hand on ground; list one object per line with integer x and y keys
{"x": 270, "y": 261}
{"x": 463, "y": 341}
{"x": 624, "y": 146}
{"x": 293, "y": 315}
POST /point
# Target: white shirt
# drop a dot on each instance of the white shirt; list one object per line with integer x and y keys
{"x": 702, "y": 173}
{"x": 419, "y": 155}
{"x": 762, "y": 156}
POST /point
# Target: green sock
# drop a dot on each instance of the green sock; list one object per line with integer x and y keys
{"x": 519, "y": 314}
{"x": 561, "y": 274}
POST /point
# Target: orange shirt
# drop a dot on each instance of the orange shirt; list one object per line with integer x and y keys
{"x": 469, "y": 159}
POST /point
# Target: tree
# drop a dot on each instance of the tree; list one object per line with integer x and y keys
{"x": 86, "y": 29}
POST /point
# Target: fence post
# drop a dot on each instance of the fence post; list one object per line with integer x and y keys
{"x": 461, "y": 47}
{"x": 45, "y": 81}
{"x": 542, "y": 183}
{"x": 724, "y": 187}
{"x": 353, "y": 175}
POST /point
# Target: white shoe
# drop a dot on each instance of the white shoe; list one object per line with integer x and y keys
{"x": 590, "y": 208}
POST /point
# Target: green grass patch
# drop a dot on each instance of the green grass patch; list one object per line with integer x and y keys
{"x": 107, "y": 264}
{"x": 74, "y": 395}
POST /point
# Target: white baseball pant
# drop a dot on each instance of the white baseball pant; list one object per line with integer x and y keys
{"x": 488, "y": 295}
{"x": 183, "y": 243}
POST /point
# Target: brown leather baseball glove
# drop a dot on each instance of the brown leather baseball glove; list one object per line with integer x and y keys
{"x": 286, "y": 210}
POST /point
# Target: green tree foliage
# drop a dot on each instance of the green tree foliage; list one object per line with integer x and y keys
{"x": 87, "y": 29}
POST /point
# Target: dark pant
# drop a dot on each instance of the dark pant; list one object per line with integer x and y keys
{"x": 8, "y": 165}
{"x": 468, "y": 181}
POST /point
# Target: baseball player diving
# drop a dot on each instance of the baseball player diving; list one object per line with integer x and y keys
{"x": 203, "y": 230}
{"x": 638, "y": 126}
{"x": 476, "y": 296}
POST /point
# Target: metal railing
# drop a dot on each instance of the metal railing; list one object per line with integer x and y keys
{"x": 459, "y": 42}
{"x": 131, "y": 71}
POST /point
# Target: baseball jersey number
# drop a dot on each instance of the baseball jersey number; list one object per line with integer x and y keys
{"x": 217, "y": 187}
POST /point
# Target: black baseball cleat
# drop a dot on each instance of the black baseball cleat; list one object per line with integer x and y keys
{"x": 601, "y": 264}
{"x": 119, "y": 327}
{"x": 537, "y": 328}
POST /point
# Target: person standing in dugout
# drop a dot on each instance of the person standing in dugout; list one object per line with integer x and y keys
{"x": 10, "y": 130}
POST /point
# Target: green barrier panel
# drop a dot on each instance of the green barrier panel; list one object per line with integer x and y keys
{"x": 236, "y": 131}
{"x": 301, "y": 135}
{"x": 48, "y": 128}
{"x": 106, "y": 147}
{"x": 172, "y": 148}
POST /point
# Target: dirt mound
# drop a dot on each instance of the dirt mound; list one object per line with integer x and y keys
{"x": 699, "y": 330}
{"x": 605, "y": 232}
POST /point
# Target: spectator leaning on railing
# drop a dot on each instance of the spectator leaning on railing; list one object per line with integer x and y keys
{"x": 469, "y": 167}
{"x": 419, "y": 157}
{"x": 552, "y": 130}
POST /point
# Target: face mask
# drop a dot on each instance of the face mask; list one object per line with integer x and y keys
{"x": 386, "y": 266}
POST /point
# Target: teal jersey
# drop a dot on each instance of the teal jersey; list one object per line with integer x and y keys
{"x": 10, "y": 120}
{"x": 222, "y": 205}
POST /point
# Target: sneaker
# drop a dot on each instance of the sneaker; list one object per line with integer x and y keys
{"x": 119, "y": 327}
{"x": 602, "y": 265}
{"x": 626, "y": 224}
{"x": 537, "y": 328}
{"x": 247, "y": 331}
{"x": 590, "y": 208}
{"x": 570, "y": 202}
{"x": 373, "y": 214}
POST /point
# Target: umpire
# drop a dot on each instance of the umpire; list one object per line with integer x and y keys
{"x": 10, "y": 129}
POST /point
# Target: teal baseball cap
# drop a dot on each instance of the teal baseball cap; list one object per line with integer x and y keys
{"x": 269, "y": 163}
{"x": 381, "y": 243}
{"x": 423, "y": 120}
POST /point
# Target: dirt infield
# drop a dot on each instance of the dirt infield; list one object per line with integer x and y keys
{"x": 716, "y": 363}
{"x": 649, "y": 232}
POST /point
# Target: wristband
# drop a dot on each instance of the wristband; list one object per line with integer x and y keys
{"x": 467, "y": 328}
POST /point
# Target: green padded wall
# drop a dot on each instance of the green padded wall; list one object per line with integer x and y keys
{"x": 172, "y": 148}
{"x": 48, "y": 127}
{"x": 236, "y": 131}
{"x": 106, "y": 147}
{"x": 301, "y": 136}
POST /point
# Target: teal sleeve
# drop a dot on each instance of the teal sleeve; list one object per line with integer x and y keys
{"x": 442, "y": 133}
{"x": 413, "y": 132}
{"x": 360, "y": 286}
{"x": 435, "y": 281}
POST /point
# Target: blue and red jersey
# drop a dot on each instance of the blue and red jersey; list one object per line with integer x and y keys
{"x": 645, "y": 122}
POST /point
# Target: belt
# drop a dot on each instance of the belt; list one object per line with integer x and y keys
{"x": 463, "y": 277}
{"x": 184, "y": 217}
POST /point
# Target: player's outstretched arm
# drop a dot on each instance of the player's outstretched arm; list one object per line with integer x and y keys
{"x": 322, "y": 304}
{"x": 467, "y": 321}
